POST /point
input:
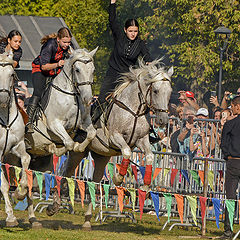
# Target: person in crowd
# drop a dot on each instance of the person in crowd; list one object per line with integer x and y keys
{"x": 48, "y": 63}
{"x": 128, "y": 46}
{"x": 187, "y": 98}
{"x": 230, "y": 142}
{"x": 227, "y": 97}
{"x": 12, "y": 43}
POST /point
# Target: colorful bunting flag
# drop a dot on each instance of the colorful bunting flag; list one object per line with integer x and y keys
{"x": 106, "y": 191}
{"x": 53, "y": 181}
{"x": 118, "y": 167}
{"x": 81, "y": 186}
{"x": 168, "y": 198}
{"x": 58, "y": 180}
{"x": 71, "y": 188}
{"x": 193, "y": 205}
{"x": 47, "y": 184}
{"x": 203, "y": 206}
{"x": 156, "y": 172}
{"x": 39, "y": 181}
{"x": 211, "y": 179}
{"x": 134, "y": 169}
{"x": 129, "y": 172}
{"x": 142, "y": 170}
{"x": 216, "y": 204}
{"x": 17, "y": 174}
{"x": 133, "y": 197}
{"x": 110, "y": 169}
{"x": 185, "y": 174}
{"x": 55, "y": 161}
{"x": 141, "y": 199}
{"x": 86, "y": 161}
{"x": 179, "y": 199}
{"x": 22, "y": 205}
{"x": 230, "y": 204}
{"x": 63, "y": 158}
{"x": 76, "y": 171}
{"x": 155, "y": 198}
{"x": 195, "y": 176}
{"x": 166, "y": 171}
{"x": 120, "y": 193}
{"x": 201, "y": 175}
{"x": 91, "y": 186}
{"x": 173, "y": 175}
{"x": 29, "y": 180}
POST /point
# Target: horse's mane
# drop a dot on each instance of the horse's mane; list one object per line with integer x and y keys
{"x": 152, "y": 69}
{"x": 5, "y": 59}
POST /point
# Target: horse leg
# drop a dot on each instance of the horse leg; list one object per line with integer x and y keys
{"x": 51, "y": 148}
{"x": 118, "y": 140}
{"x": 20, "y": 151}
{"x": 145, "y": 146}
{"x": 31, "y": 216}
{"x": 100, "y": 164}
{"x": 91, "y": 133}
{"x": 11, "y": 220}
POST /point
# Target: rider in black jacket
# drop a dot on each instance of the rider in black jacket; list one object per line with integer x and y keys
{"x": 127, "y": 48}
{"x": 48, "y": 64}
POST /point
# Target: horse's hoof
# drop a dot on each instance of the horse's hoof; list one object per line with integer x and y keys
{"x": 87, "y": 226}
{"x": 12, "y": 224}
{"x": 36, "y": 225}
{"x": 117, "y": 179}
{"x": 52, "y": 209}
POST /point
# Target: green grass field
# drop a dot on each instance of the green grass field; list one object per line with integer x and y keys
{"x": 68, "y": 226}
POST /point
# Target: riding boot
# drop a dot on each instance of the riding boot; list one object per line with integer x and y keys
{"x": 31, "y": 112}
{"x": 97, "y": 110}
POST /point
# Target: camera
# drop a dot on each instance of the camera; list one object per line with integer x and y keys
{"x": 213, "y": 94}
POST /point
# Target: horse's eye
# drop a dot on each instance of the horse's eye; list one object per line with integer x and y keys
{"x": 155, "y": 91}
{"x": 77, "y": 70}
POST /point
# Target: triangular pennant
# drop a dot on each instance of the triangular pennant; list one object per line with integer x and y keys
{"x": 211, "y": 179}
{"x": 105, "y": 173}
{"x": 141, "y": 198}
{"x": 216, "y": 204}
{"x": 55, "y": 161}
{"x": 62, "y": 160}
{"x": 155, "y": 198}
{"x": 58, "y": 179}
{"x": 22, "y": 205}
{"x": 201, "y": 175}
{"x": 168, "y": 198}
{"x": 195, "y": 176}
{"x": 142, "y": 170}
{"x": 17, "y": 174}
{"x": 134, "y": 169}
{"x": 7, "y": 166}
{"x": 53, "y": 181}
{"x": 203, "y": 206}
{"x": 106, "y": 191}
{"x": 185, "y": 174}
{"x": 29, "y": 180}
{"x": 81, "y": 186}
{"x": 111, "y": 169}
{"x": 86, "y": 161}
{"x": 133, "y": 197}
{"x": 47, "y": 184}
{"x": 166, "y": 171}
{"x": 193, "y": 205}
{"x": 230, "y": 204}
{"x": 156, "y": 172}
{"x": 179, "y": 199}
{"x": 71, "y": 187}
{"x": 91, "y": 186}
{"x": 118, "y": 167}
{"x": 129, "y": 172}
{"x": 120, "y": 193}
{"x": 39, "y": 181}
{"x": 173, "y": 175}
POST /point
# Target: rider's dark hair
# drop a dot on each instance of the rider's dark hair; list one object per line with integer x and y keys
{"x": 131, "y": 22}
{"x": 62, "y": 32}
{"x": 12, "y": 34}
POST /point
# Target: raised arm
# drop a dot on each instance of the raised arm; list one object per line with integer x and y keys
{"x": 116, "y": 30}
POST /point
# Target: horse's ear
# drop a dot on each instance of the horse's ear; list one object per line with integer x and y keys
{"x": 170, "y": 71}
{"x": 92, "y": 53}
{"x": 70, "y": 50}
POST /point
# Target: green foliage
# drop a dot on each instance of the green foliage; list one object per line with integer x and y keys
{"x": 182, "y": 30}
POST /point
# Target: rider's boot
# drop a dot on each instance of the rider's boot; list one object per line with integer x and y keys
{"x": 97, "y": 110}
{"x": 30, "y": 111}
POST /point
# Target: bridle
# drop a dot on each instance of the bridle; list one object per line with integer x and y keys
{"x": 143, "y": 107}
{"x": 4, "y": 124}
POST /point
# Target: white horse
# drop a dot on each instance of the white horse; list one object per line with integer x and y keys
{"x": 68, "y": 108}
{"x": 12, "y": 133}
{"x": 128, "y": 123}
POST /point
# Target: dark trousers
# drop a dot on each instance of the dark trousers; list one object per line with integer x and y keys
{"x": 39, "y": 82}
{"x": 231, "y": 183}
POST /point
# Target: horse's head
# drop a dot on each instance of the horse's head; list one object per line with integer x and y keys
{"x": 159, "y": 89}
{"x": 6, "y": 78}
{"x": 81, "y": 61}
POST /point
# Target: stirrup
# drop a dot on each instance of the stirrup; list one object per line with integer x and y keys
{"x": 29, "y": 128}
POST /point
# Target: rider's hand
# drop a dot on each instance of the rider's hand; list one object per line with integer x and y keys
{"x": 113, "y": 1}
{"x": 60, "y": 63}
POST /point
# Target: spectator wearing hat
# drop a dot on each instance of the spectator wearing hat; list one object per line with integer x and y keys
{"x": 187, "y": 98}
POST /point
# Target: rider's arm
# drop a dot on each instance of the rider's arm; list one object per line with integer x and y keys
{"x": 116, "y": 30}
{"x": 145, "y": 52}
{"x": 16, "y": 57}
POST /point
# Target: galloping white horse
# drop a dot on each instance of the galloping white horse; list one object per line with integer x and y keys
{"x": 128, "y": 124}
{"x": 68, "y": 108}
{"x": 11, "y": 132}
